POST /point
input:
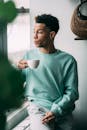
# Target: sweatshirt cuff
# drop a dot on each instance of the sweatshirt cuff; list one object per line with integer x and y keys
{"x": 56, "y": 109}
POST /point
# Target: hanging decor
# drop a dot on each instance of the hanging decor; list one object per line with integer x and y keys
{"x": 79, "y": 20}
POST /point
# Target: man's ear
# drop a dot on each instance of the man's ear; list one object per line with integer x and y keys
{"x": 52, "y": 34}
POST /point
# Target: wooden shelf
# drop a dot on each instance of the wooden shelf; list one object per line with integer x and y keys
{"x": 23, "y": 10}
{"x": 79, "y": 38}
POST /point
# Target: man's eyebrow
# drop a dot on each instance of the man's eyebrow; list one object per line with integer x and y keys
{"x": 39, "y": 29}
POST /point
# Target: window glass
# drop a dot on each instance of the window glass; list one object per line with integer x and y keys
{"x": 18, "y": 33}
{"x": 20, "y": 3}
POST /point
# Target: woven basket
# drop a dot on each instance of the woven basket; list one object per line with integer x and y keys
{"x": 79, "y": 23}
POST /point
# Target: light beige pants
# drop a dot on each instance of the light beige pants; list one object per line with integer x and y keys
{"x": 36, "y": 114}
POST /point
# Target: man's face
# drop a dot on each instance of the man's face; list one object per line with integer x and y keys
{"x": 41, "y": 35}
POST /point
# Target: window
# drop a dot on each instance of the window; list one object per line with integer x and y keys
{"x": 18, "y": 32}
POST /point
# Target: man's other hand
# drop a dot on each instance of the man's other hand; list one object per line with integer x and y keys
{"x": 48, "y": 117}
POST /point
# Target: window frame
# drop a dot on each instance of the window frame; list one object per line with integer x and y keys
{"x": 3, "y": 31}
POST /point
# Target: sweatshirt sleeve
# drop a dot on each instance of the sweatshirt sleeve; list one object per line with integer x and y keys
{"x": 70, "y": 90}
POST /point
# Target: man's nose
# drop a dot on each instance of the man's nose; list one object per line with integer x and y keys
{"x": 35, "y": 35}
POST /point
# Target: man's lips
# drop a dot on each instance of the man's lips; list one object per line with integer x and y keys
{"x": 36, "y": 42}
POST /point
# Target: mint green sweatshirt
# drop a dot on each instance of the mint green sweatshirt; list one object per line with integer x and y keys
{"x": 54, "y": 83}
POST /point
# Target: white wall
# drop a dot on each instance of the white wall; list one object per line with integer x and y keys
{"x": 63, "y": 10}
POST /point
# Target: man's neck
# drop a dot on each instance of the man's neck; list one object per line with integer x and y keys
{"x": 48, "y": 50}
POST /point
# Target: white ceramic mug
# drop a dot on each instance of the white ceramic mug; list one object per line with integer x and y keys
{"x": 33, "y": 63}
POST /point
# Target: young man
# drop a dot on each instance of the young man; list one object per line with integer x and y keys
{"x": 52, "y": 88}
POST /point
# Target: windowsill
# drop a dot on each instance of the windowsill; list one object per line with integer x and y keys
{"x": 16, "y": 116}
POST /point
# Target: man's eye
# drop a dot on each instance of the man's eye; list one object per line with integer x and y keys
{"x": 40, "y": 31}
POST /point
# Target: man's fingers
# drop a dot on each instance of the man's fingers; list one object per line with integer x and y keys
{"x": 45, "y": 121}
{"x": 48, "y": 119}
{"x": 22, "y": 64}
{"x": 47, "y": 115}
